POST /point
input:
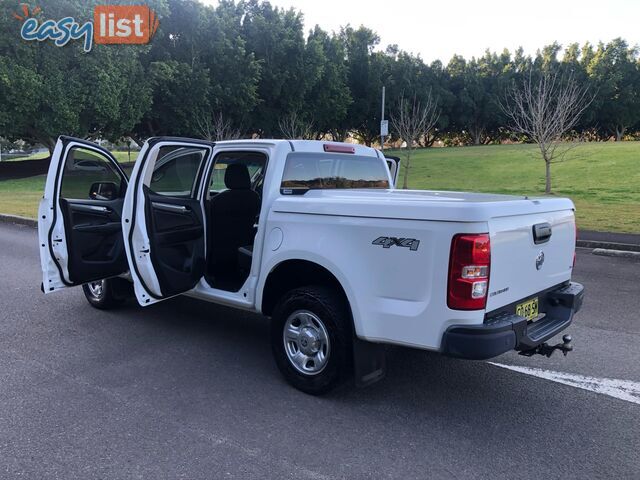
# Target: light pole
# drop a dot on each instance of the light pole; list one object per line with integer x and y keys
{"x": 384, "y": 124}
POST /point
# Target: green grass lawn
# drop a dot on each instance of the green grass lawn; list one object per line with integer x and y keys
{"x": 120, "y": 156}
{"x": 603, "y": 179}
{"x": 22, "y": 196}
{"x": 35, "y": 156}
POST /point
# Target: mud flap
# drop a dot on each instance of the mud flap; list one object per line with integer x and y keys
{"x": 369, "y": 362}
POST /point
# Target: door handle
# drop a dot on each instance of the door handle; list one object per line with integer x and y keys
{"x": 109, "y": 227}
{"x": 90, "y": 208}
{"x": 168, "y": 207}
{"x": 541, "y": 233}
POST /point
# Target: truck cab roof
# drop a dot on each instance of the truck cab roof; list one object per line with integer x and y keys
{"x": 310, "y": 146}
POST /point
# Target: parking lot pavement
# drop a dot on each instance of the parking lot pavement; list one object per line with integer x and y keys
{"x": 185, "y": 389}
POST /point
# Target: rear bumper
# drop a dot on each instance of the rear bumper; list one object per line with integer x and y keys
{"x": 504, "y": 330}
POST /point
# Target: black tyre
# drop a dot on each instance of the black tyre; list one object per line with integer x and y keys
{"x": 107, "y": 294}
{"x": 311, "y": 337}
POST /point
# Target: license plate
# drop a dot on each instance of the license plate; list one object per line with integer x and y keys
{"x": 528, "y": 309}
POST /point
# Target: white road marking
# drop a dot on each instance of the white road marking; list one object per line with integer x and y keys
{"x": 621, "y": 389}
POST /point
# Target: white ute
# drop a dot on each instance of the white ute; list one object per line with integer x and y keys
{"x": 314, "y": 235}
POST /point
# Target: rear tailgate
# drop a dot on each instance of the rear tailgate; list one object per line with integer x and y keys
{"x": 520, "y": 268}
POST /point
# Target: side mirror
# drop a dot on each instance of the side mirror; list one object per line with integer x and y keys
{"x": 103, "y": 191}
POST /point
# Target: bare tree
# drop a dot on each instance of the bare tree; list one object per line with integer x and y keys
{"x": 412, "y": 122}
{"x": 294, "y": 126}
{"x": 545, "y": 110}
{"x": 216, "y": 128}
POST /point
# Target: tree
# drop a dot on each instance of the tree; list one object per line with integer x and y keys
{"x": 233, "y": 70}
{"x": 327, "y": 96}
{"x": 408, "y": 73}
{"x": 573, "y": 64}
{"x": 197, "y": 65}
{"x": 614, "y": 72}
{"x": 476, "y": 86}
{"x": 180, "y": 99}
{"x": 216, "y": 128}
{"x": 293, "y": 125}
{"x": 47, "y": 90}
{"x": 246, "y": 63}
{"x": 276, "y": 38}
{"x": 544, "y": 108}
{"x": 413, "y": 121}
{"x": 367, "y": 73}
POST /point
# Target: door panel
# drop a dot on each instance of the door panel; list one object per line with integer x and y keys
{"x": 164, "y": 222}
{"x": 176, "y": 238}
{"x": 79, "y": 222}
{"x": 94, "y": 238}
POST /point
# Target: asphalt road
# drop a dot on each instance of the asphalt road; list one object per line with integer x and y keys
{"x": 188, "y": 390}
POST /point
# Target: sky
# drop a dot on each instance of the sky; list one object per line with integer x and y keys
{"x": 437, "y": 30}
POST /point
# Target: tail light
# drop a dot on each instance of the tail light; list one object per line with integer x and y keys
{"x": 469, "y": 266}
{"x": 337, "y": 148}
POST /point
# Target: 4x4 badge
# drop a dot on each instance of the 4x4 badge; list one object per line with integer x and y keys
{"x": 539, "y": 260}
{"x": 387, "y": 242}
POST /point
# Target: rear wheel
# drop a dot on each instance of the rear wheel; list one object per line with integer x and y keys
{"x": 107, "y": 294}
{"x": 311, "y": 339}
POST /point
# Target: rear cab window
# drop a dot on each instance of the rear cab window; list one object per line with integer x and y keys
{"x": 323, "y": 171}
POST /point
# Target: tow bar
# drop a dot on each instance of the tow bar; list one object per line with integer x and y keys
{"x": 547, "y": 350}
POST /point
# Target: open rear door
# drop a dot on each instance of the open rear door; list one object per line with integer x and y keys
{"x": 79, "y": 219}
{"x": 164, "y": 222}
{"x": 394, "y": 167}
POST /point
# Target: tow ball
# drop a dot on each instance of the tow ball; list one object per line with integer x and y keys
{"x": 547, "y": 350}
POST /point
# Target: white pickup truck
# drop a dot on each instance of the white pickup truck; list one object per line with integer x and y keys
{"x": 314, "y": 235}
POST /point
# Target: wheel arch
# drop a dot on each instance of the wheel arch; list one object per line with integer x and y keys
{"x": 297, "y": 272}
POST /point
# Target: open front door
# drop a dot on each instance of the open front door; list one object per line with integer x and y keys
{"x": 79, "y": 219}
{"x": 394, "y": 167}
{"x": 164, "y": 222}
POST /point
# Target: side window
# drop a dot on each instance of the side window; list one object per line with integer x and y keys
{"x": 176, "y": 171}
{"x": 89, "y": 174}
{"x": 255, "y": 163}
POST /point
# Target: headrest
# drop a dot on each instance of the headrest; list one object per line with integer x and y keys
{"x": 236, "y": 177}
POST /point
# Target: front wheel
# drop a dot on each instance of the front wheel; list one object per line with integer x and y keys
{"x": 107, "y": 294}
{"x": 311, "y": 339}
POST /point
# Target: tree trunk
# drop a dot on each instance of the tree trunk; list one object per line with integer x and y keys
{"x": 547, "y": 168}
{"x": 429, "y": 140}
{"x": 50, "y": 143}
{"x": 476, "y": 134}
{"x": 44, "y": 140}
{"x": 405, "y": 184}
{"x": 339, "y": 135}
{"x": 620, "y": 130}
